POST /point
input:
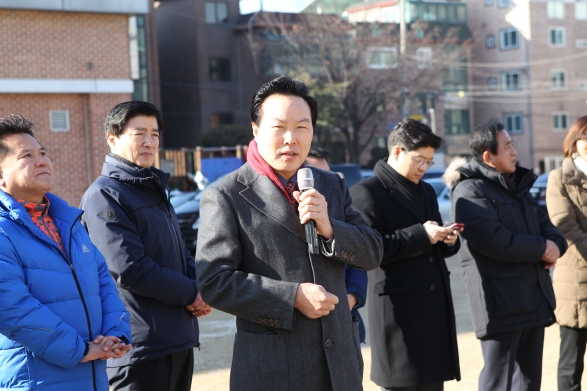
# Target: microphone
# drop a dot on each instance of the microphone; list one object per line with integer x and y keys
{"x": 305, "y": 183}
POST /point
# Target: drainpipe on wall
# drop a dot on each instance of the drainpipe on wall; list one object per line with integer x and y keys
{"x": 87, "y": 138}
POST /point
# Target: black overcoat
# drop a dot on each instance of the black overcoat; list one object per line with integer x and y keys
{"x": 411, "y": 314}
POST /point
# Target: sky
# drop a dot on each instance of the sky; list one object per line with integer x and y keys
{"x": 248, "y": 6}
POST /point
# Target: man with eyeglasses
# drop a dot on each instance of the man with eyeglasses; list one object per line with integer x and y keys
{"x": 411, "y": 314}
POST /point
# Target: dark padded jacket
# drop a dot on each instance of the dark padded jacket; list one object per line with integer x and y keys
{"x": 504, "y": 238}
{"x": 130, "y": 220}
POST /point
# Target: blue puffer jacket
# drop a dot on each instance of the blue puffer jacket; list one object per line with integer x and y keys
{"x": 52, "y": 303}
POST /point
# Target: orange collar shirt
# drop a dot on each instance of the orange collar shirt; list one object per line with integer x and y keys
{"x": 40, "y": 215}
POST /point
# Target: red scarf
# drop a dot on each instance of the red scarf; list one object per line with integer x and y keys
{"x": 259, "y": 164}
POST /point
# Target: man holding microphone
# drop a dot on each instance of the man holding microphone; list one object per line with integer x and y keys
{"x": 253, "y": 259}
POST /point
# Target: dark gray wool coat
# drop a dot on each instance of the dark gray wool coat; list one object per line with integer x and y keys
{"x": 251, "y": 257}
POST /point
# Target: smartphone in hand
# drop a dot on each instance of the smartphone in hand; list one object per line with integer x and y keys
{"x": 456, "y": 225}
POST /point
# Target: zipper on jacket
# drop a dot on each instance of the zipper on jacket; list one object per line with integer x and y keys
{"x": 77, "y": 284}
{"x": 175, "y": 246}
{"x": 175, "y": 241}
{"x": 151, "y": 312}
{"x": 81, "y": 294}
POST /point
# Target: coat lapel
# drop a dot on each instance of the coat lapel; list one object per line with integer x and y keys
{"x": 266, "y": 197}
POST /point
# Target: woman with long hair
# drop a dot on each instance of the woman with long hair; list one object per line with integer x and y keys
{"x": 566, "y": 200}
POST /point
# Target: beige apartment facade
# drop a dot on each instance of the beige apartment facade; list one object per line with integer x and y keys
{"x": 449, "y": 80}
{"x": 64, "y": 67}
{"x": 528, "y": 72}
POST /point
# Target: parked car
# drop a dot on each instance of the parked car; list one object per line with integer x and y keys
{"x": 442, "y": 196}
{"x": 538, "y": 190}
{"x": 188, "y": 217}
{"x": 351, "y": 172}
{"x": 434, "y": 172}
{"x": 178, "y": 198}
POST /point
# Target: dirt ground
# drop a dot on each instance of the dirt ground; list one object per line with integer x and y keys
{"x": 212, "y": 362}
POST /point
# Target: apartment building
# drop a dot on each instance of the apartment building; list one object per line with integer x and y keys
{"x": 64, "y": 65}
{"x": 201, "y": 78}
{"x": 529, "y": 72}
{"x": 448, "y": 93}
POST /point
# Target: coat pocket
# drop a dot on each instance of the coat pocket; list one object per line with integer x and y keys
{"x": 515, "y": 295}
{"x": 387, "y": 287}
{"x": 259, "y": 362}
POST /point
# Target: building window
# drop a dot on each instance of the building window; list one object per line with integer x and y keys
{"x": 555, "y": 9}
{"x": 558, "y": 79}
{"x": 376, "y": 31}
{"x": 424, "y": 58}
{"x": 557, "y": 37}
{"x": 59, "y": 120}
{"x": 218, "y": 119}
{"x": 559, "y": 121}
{"x": 456, "y": 122}
{"x": 216, "y": 12}
{"x": 488, "y": 3}
{"x": 580, "y": 11}
{"x": 582, "y": 85}
{"x": 581, "y": 43}
{"x": 454, "y": 77}
{"x": 502, "y": 3}
{"x": 509, "y": 39}
{"x": 219, "y": 69}
{"x": 137, "y": 43}
{"x": 382, "y": 58}
{"x": 513, "y": 123}
{"x": 511, "y": 80}
{"x": 490, "y": 41}
{"x": 492, "y": 83}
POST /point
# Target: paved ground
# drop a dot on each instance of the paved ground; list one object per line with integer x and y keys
{"x": 212, "y": 363}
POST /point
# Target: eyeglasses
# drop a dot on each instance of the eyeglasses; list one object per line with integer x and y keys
{"x": 421, "y": 162}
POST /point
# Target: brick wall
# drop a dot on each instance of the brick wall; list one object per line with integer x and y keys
{"x": 67, "y": 150}
{"x": 59, "y": 45}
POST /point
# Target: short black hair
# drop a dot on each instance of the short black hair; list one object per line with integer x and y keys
{"x": 13, "y": 124}
{"x": 123, "y": 112}
{"x": 484, "y": 138}
{"x": 319, "y": 153}
{"x": 282, "y": 85}
{"x": 411, "y": 135}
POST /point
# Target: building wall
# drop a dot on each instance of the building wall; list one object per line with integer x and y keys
{"x": 535, "y": 58}
{"x": 493, "y": 103}
{"x": 67, "y": 150}
{"x": 37, "y": 44}
{"x": 110, "y": 6}
{"x": 544, "y": 58}
{"x": 59, "y": 46}
{"x": 189, "y": 97}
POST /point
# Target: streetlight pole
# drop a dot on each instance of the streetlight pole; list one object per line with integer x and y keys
{"x": 402, "y": 27}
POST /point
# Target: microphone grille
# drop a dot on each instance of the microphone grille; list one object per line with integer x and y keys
{"x": 305, "y": 179}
